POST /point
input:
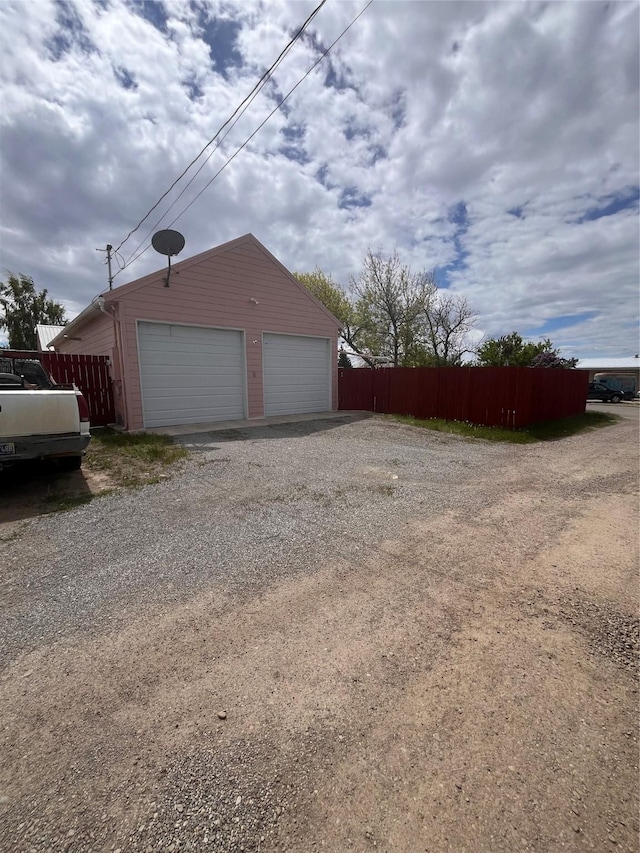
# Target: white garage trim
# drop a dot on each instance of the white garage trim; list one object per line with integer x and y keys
{"x": 190, "y": 374}
{"x": 296, "y": 374}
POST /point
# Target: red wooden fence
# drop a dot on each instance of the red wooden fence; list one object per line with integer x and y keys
{"x": 511, "y": 397}
{"x": 89, "y": 372}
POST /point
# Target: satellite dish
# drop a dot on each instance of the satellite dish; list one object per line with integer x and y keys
{"x": 168, "y": 243}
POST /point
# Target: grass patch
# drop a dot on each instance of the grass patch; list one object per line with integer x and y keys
{"x": 552, "y": 430}
{"x": 546, "y": 431}
{"x": 136, "y": 459}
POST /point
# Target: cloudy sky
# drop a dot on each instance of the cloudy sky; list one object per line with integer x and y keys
{"x": 496, "y": 143}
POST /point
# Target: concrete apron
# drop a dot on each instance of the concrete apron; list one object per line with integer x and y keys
{"x": 218, "y": 426}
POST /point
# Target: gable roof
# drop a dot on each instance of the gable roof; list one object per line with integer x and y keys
{"x": 125, "y": 289}
{"x": 46, "y": 334}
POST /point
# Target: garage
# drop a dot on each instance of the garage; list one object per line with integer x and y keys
{"x": 190, "y": 374}
{"x": 232, "y": 335}
{"x": 297, "y": 374}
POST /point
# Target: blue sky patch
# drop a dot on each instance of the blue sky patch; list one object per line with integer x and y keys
{"x": 335, "y": 79}
{"x": 398, "y": 110}
{"x": 625, "y": 200}
{"x": 460, "y": 218}
{"x": 293, "y": 147}
{"x": 295, "y": 152}
{"x": 71, "y": 32}
{"x": 561, "y": 322}
{"x": 517, "y": 212}
{"x": 153, "y": 11}
{"x": 220, "y": 37}
{"x": 322, "y": 175}
{"x": 193, "y": 88}
{"x": 458, "y": 215}
{"x": 126, "y": 80}
{"x": 352, "y": 197}
{"x": 293, "y": 132}
{"x": 378, "y": 152}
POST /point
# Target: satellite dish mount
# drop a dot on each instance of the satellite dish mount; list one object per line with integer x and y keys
{"x": 168, "y": 243}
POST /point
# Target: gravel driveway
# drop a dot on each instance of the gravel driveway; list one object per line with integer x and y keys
{"x": 338, "y": 635}
{"x": 250, "y": 507}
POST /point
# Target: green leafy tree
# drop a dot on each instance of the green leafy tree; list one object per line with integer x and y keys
{"x": 343, "y": 359}
{"x": 396, "y": 313}
{"x": 23, "y": 308}
{"x": 512, "y": 350}
{"x": 325, "y": 290}
{"x": 334, "y": 298}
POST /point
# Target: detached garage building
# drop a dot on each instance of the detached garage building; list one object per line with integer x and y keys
{"x": 233, "y": 336}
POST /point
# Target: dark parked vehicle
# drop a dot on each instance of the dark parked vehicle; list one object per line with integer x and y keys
{"x": 598, "y": 391}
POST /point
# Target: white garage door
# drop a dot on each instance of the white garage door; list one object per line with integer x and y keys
{"x": 297, "y": 374}
{"x": 190, "y": 374}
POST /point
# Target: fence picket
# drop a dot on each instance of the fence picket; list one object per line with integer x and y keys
{"x": 512, "y": 397}
{"x": 89, "y": 372}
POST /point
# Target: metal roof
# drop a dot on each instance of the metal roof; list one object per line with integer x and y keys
{"x": 46, "y": 334}
{"x": 629, "y": 363}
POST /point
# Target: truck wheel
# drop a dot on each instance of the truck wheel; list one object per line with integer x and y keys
{"x": 70, "y": 463}
{"x": 615, "y": 399}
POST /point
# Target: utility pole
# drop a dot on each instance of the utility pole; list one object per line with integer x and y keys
{"x": 109, "y": 250}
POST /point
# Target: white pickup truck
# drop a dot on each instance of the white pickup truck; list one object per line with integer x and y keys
{"x": 42, "y": 424}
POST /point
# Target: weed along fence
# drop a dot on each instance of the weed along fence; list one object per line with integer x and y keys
{"x": 89, "y": 372}
{"x": 511, "y": 397}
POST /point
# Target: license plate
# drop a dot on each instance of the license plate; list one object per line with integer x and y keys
{"x": 7, "y": 449}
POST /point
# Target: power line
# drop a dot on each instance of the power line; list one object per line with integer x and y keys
{"x": 264, "y": 78}
{"x": 220, "y": 140}
{"x": 260, "y": 126}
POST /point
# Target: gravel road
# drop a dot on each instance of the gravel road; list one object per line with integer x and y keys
{"x": 249, "y": 508}
{"x": 338, "y": 635}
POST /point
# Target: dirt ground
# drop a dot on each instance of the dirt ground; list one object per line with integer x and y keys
{"x": 469, "y": 685}
{"x": 39, "y": 488}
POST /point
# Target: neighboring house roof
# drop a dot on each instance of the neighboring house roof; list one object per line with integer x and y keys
{"x": 124, "y": 290}
{"x": 629, "y": 363}
{"x": 46, "y": 334}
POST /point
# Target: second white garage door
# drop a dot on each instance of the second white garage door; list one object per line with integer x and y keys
{"x": 190, "y": 374}
{"x": 297, "y": 374}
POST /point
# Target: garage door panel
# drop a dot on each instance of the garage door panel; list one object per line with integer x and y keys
{"x": 174, "y": 356}
{"x": 297, "y": 374}
{"x": 190, "y": 374}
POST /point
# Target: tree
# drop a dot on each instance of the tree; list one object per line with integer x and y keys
{"x": 343, "y": 359}
{"x": 325, "y": 290}
{"x": 392, "y": 302}
{"x": 511, "y": 350}
{"x": 23, "y": 309}
{"x": 396, "y": 313}
{"x": 333, "y": 297}
{"x": 449, "y": 321}
{"x": 553, "y": 359}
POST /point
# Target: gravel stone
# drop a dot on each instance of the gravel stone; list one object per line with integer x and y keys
{"x": 248, "y": 508}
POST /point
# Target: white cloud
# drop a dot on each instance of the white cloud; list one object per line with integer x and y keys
{"x": 439, "y": 118}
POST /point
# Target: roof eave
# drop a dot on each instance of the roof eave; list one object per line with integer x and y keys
{"x": 85, "y": 315}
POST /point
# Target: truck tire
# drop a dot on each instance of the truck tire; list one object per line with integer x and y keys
{"x": 70, "y": 463}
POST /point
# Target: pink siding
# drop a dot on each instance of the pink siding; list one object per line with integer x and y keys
{"x": 215, "y": 289}
{"x": 96, "y": 338}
